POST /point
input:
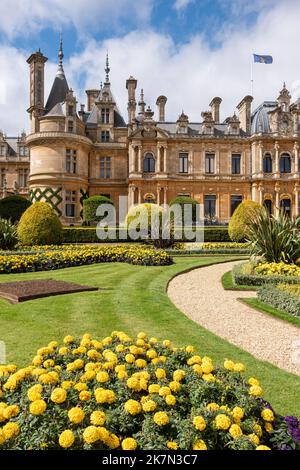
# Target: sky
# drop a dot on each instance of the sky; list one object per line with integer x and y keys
{"x": 187, "y": 50}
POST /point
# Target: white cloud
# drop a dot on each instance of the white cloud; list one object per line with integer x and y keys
{"x": 182, "y": 4}
{"x": 190, "y": 75}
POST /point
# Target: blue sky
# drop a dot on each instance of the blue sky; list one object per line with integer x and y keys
{"x": 189, "y": 50}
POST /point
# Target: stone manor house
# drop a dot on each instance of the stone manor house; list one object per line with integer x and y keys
{"x": 72, "y": 152}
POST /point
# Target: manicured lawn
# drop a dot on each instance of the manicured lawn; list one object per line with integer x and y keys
{"x": 133, "y": 298}
{"x": 265, "y": 308}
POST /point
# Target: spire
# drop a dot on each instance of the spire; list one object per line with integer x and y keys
{"x": 142, "y": 103}
{"x": 107, "y": 70}
{"x": 60, "y": 86}
{"x": 60, "y": 57}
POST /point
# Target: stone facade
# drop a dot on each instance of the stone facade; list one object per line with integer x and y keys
{"x": 91, "y": 150}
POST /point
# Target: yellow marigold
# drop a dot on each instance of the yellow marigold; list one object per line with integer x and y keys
{"x": 262, "y": 448}
{"x": 167, "y": 343}
{"x": 37, "y": 407}
{"x": 160, "y": 373}
{"x": 189, "y": 349}
{"x": 133, "y": 407}
{"x": 255, "y": 390}
{"x": 120, "y": 348}
{"x": 93, "y": 354}
{"x": 212, "y": 406}
{"x": 154, "y": 388}
{"x": 239, "y": 367}
{"x": 103, "y": 434}
{"x": 68, "y": 339}
{"x": 48, "y": 363}
{"x": 102, "y": 377}
{"x": 11, "y": 430}
{"x": 237, "y": 413}
{"x": 178, "y": 375}
{"x": 122, "y": 375}
{"x": 229, "y": 365}
{"x": 268, "y": 427}
{"x": 235, "y": 431}
{"x": 222, "y": 422}
{"x": 11, "y": 411}
{"x": 149, "y": 406}
{"x": 76, "y": 415}
{"x": 63, "y": 350}
{"x": 199, "y": 423}
{"x": 170, "y": 400}
{"x": 174, "y": 386}
{"x": 85, "y": 395}
{"x": 253, "y": 438}
{"x": 66, "y": 439}
{"x": 151, "y": 353}
{"x": 130, "y": 358}
{"x": 2, "y": 437}
{"x": 208, "y": 378}
{"x": 141, "y": 363}
{"x": 198, "y": 369}
{"x": 257, "y": 429}
{"x": 199, "y": 445}
{"x": 253, "y": 381}
{"x": 153, "y": 340}
{"x": 80, "y": 387}
{"x": 58, "y": 395}
{"x": 103, "y": 395}
{"x": 129, "y": 444}
{"x": 98, "y": 418}
{"x": 172, "y": 445}
{"x": 140, "y": 342}
{"x": 194, "y": 360}
{"x": 161, "y": 418}
{"x": 113, "y": 442}
{"x": 267, "y": 415}
{"x": 88, "y": 376}
{"x": 164, "y": 391}
{"x": 142, "y": 335}
{"x": 90, "y": 435}
{"x": 37, "y": 361}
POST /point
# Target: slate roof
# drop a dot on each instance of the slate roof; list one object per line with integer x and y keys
{"x": 195, "y": 128}
{"x": 260, "y": 118}
{"x": 58, "y": 91}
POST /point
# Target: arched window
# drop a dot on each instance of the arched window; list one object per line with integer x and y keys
{"x": 149, "y": 163}
{"x": 267, "y": 163}
{"x": 149, "y": 198}
{"x": 285, "y": 163}
{"x": 268, "y": 205}
{"x": 285, "y": 205}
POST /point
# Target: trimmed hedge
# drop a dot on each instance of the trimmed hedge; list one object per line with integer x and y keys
{"x": 280, "y": 298}
{"x": 245, "y": 279}
{"x": 238, "y": 223}
{"x": 13, "y": 207}
{"x": 39, "y": 225}
{"x": 89, "y": 235}
{"x": 90, "y": 206}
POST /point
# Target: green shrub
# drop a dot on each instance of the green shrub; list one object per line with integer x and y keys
{"x": 244, "y": 275}
{"x": 12, "y": 207}
{"x": 275, "y": 239}
{"x": 282, "y": 297}
{"x": 39, "y": 225}
{"x": 185, "y": 200}
{"x": 8, "y": 235}
{"x": 90, "y": 206}
{"x": 238, "y": 225}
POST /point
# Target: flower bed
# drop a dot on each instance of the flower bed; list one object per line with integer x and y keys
{"x": 210, "y": 248}
{"x": 283, "y": 297}
{"x": 248, "y": 274}
{"x": 76, "y": 256}
{"x": 123, "y": 393}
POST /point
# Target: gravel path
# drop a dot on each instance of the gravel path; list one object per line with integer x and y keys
{"x": 199, "y": 294}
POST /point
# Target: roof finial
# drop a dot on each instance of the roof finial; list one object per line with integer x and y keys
{"x": 60, "y": 55}
{"x": 107, "y": 69}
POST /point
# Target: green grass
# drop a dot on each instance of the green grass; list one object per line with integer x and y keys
{"x": 229, "y": 284}
{"x": 265, "y": 308}
{"x": 132, "y": 298}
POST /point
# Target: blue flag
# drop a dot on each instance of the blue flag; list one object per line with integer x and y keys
{"x": 263, "y": 59}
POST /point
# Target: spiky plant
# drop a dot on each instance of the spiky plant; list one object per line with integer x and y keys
{"x": 8, "y": 235}
{"x": 274, "y": 238}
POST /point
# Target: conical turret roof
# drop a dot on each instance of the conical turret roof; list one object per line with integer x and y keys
{"x": 60, "y": 85}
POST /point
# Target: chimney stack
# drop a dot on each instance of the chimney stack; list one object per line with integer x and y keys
{"x": 161, "y": 104}
{"x": 244, "y": 108}
{"x": 92, "y": 95}
{"x": 215, "y": 108}
{"x": 131, "y": 84}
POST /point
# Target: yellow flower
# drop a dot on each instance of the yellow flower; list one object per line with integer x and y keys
{"x": 212, "y": 406}
{"x": 103, "y": 434}
{"x": 172, "y": 445}
{"x": 199, "y": 445}
{"x": 199, "y": 423}
{"x": 151, "y": 353}
{"x": 170, "y": 400}
{"x": 62, "y": 351}
{"x": 66, "y": 439}
{"x": 189, "y": 349}
{"x": 11, "y": 430}
{"x": 237, "y": 413}
{"x": 133, "y": 407}
{"x": 178, "y": 375}
{"x": 257, "y": 429}
{"x": 239, "y": 367}
{"x": 98, "y": 418}
{"x": 154, "y": 388}
{"x": 68, "y": 339}
{"x": 268, "y": 427}
{"x": 11, "y": 411}
{"x": 222, "y": 422}
{"x": 85, "y": 395}
{"x": 229, "y": 365}
{"x": 253, "y": 381}
{"x": 142, "y": 335}
{"x": 174, "y": 386}
{"x": 76, "y": 415}
{"x": 102, "y": 377}
{"x": 235, "y": 431}
{"x": 164, "y": 391}
{"x": 149, "y": 406}
{"x": 103, "y": 395}
{"x": 37, "y": 407}
{"x": 58, "y": 395}
{"x": 253, "y": 438}
{"x": 141, "y": 363}
{"x": 160, "y": 373}
{"x": 130, "y": 358}
{"x": 161, "y": 418}
{"x": 2, "y": 437}
{"x": 255, "y": 390}
{"x": 129, "y": 444}
{"x": 262, "y": 448}
{"x": 267, "y": 415}
{"x": 91, "y": 435}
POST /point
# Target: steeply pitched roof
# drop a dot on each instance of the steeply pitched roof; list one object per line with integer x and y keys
{"x": 60, "y": 86}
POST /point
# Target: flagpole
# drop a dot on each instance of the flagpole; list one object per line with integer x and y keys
{"x": 251, "y": 74}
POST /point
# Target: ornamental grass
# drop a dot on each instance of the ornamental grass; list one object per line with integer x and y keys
{"x": 135, "y": 393}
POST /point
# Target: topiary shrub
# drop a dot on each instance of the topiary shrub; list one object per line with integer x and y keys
{"x": 150, "y": 222}
{"x": 39, "y": 225}
{"x": 8, "y": 235}
{"x": 238, "y": 225}
{"x": 185, "y": 200}
{"x": 90, "y": 206}
{"x": 13, "y": 207}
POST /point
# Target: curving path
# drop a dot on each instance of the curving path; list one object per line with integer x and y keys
{"x": 199, "y": 294}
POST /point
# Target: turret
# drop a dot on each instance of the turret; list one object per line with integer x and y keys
{"x": 37, "y": 65}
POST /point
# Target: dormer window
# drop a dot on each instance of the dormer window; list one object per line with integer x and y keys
{"x": 70, "y": 110}
{"x": 2, "y": 150}
{"x": 23, "y": 151}
{"x": 105, "y": 115}
{"x": 104, "y": 136}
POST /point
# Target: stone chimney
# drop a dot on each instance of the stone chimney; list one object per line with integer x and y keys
{"x": 215, "y": 108}
{"x": 92, "y": 95}
{"x": 131, "y": 84}
{"x": 161, "y": 104}
{"x": 244, "y": 108}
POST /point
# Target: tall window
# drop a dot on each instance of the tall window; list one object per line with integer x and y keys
{"x": 71, "y": 161}
{"x": 268, "y": 205}
{"x": 267, "y": 164}
{"x": 70, "y": 110}
{"x": 23, "y": 151}
{"x": 236, "y": 163}
{"x": 285, "y": 205}
{"x": 183, "y": 163}
{"x": 209, "y": 163}
{"x": 210, "y": 206}
{"x": 2, "y": 177}
{"x": 104, "y": 136}
{"x": 105, "y": 167}
{"x": 23, "y": 177}
{"x": 70, "y": 126}
{"x": 2, "y": 150}
{"x": 149, "y": 163}
{"x": 105, "y": 115}
{"x": 285, "y": 163}
{"x": 235, "y": 201}
{"x": 70, "y": 204}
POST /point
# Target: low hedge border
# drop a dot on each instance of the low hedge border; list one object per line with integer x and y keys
{"x": 217, "y": 251}
{"x": 279, "y": 299}
{"x": 243, "y": 279}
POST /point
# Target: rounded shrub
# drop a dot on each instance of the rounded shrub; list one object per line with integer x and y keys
{"x": 186, "y": 200}
{"x": 243, "y": 214}
{"x": 90, "y": 206}
{"x": 39, "y": 225}
{"x": 13, "y": 207}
